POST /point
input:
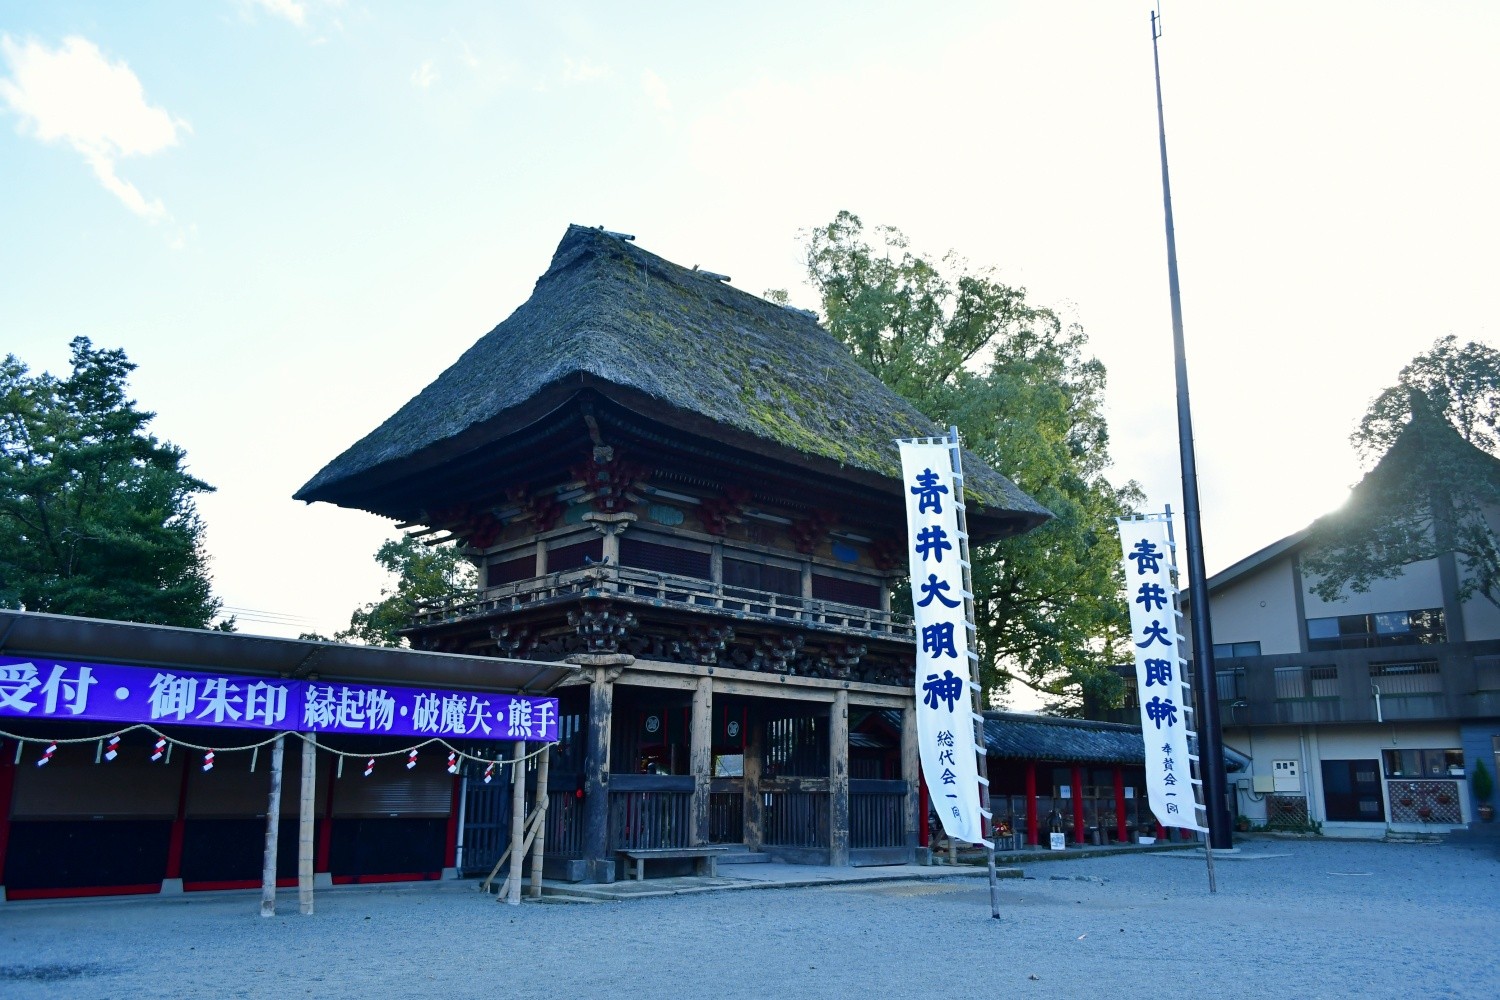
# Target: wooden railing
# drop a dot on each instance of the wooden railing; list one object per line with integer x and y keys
{"x": 795, "y": 818}
{"x": 664, "y": 589}
{"x": 726, "y": 816}
{"x": 564, "y": 837}
{"x": 877, "y": 813}
{"x": 650, "y": 811}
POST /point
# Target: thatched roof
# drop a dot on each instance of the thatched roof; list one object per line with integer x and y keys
{"x": 676, "y": 345}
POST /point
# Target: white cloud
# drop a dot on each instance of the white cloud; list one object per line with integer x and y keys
{"x": 582, "y": 70}
{"x": 424, "y": 75}
{"x": 75, "y": 95}
{"x": 291, "y": 10}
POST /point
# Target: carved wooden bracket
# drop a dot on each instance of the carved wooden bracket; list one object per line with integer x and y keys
{"x": 780, "y": 651}
{"x": 601, "y": 626}
{"x": 888, "y": 553}
{"x": 609, "y": 479}
{"x": 810, "y": 531}
{"x": 511, "y": 640}
{"x": 842, "y": 659}
{"x": 705, "y": 645}
{"x": 717, "y": 512}
{"x": 541, "y": 506}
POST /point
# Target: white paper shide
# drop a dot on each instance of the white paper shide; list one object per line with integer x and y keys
{"x": 945, "y": 717}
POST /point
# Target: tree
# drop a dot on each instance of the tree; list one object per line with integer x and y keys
{"x": 971, "y": 351}
{"x": 1431, "y": 495}
{"x": 423, "y": 573}
{"x": 97, "y": 516}
{"x": 1461, "y": 383}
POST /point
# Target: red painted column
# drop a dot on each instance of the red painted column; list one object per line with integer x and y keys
{"x": 325, "y": 835}
{"x": 1078, "y": 832}
{"x": 179, "y": 826}
{"x": 450, "y": 853}
{"x": 1161, "y": 832}
{"x": 1120, "y": 832}
{"x": 1031, "y": 832}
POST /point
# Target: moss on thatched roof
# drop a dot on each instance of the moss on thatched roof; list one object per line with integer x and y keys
{"x": 666, "y": 341}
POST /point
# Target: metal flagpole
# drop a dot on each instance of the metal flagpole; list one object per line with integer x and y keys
{"x": 955, "y": 450}
{"x": 1210, "y": 738}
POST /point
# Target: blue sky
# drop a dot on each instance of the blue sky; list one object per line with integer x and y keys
{"x": 294, "y": 214}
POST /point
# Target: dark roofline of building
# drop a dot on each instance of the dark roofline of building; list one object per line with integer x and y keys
{"x": 63, "y": 637}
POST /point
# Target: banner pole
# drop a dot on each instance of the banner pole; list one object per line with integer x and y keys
{"x": 976, "y": 704}
{"x": 1192, "y": 689}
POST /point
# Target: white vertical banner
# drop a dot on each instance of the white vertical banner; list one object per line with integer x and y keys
{"x": 1160, "y": 671}
{"x": 945, "y": 714}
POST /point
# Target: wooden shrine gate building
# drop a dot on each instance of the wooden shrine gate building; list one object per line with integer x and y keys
{"x": 693, "y": 494}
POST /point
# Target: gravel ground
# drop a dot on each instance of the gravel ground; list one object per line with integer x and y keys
{"x": 1324, "y": 919}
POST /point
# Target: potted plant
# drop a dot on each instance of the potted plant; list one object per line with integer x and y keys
{"x": 1484, "y": 787}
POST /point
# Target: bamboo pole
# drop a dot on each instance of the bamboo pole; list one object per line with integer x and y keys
{"x": 531, "y": 824}
{"x": 273, "y": 830}
{"x": 305, "y": 817}
{"x": 517, "y": 822}
{"x": 542, "y": 769}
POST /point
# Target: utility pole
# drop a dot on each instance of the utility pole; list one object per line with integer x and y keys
{"x": 1210, "y": 736}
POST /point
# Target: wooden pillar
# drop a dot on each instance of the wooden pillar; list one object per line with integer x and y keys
{"x": 597, "y": 855}
{"x": 700, "y": 758}
{"x": 538, "y": 846}
{"x": 517, "y": 821}
{"x": 753, "y": 762}
{"x": 838, "y": 779}
{"x": 911, "y": 773}
{"x": 1031, "y": 831}
{"x": 305, "y": 810}
{"x": 1121, "y": 833}
{"x": 273, "y": 830}
{"x": 1079, "y": 836}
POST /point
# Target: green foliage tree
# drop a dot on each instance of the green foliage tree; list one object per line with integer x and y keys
{"x": 422, "y": 573}
{"x": 1462, "y": 383}
{"x": 1436, "y": 483}
{"x": 97, "y": 517}
{"x": 971, "y": 351}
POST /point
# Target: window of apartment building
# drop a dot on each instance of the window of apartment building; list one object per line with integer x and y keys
{"x": 1407, "y": 678}
{"x": 1487, "y": 673}
{"x": 1225, "y": 650}
{"x": 1388, "y": 628}
{"x": 1296, "y": 683}
{"x": 1323, "y": 682}
{"x": 1291, "y": 682}
{"x": 1230, "y": 683}
{"x": 1424, "y": 763}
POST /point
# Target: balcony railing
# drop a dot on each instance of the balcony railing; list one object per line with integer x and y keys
{"x": 648, "y": 587}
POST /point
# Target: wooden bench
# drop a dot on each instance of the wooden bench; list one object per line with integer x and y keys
{"x": 706, "y": 856}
